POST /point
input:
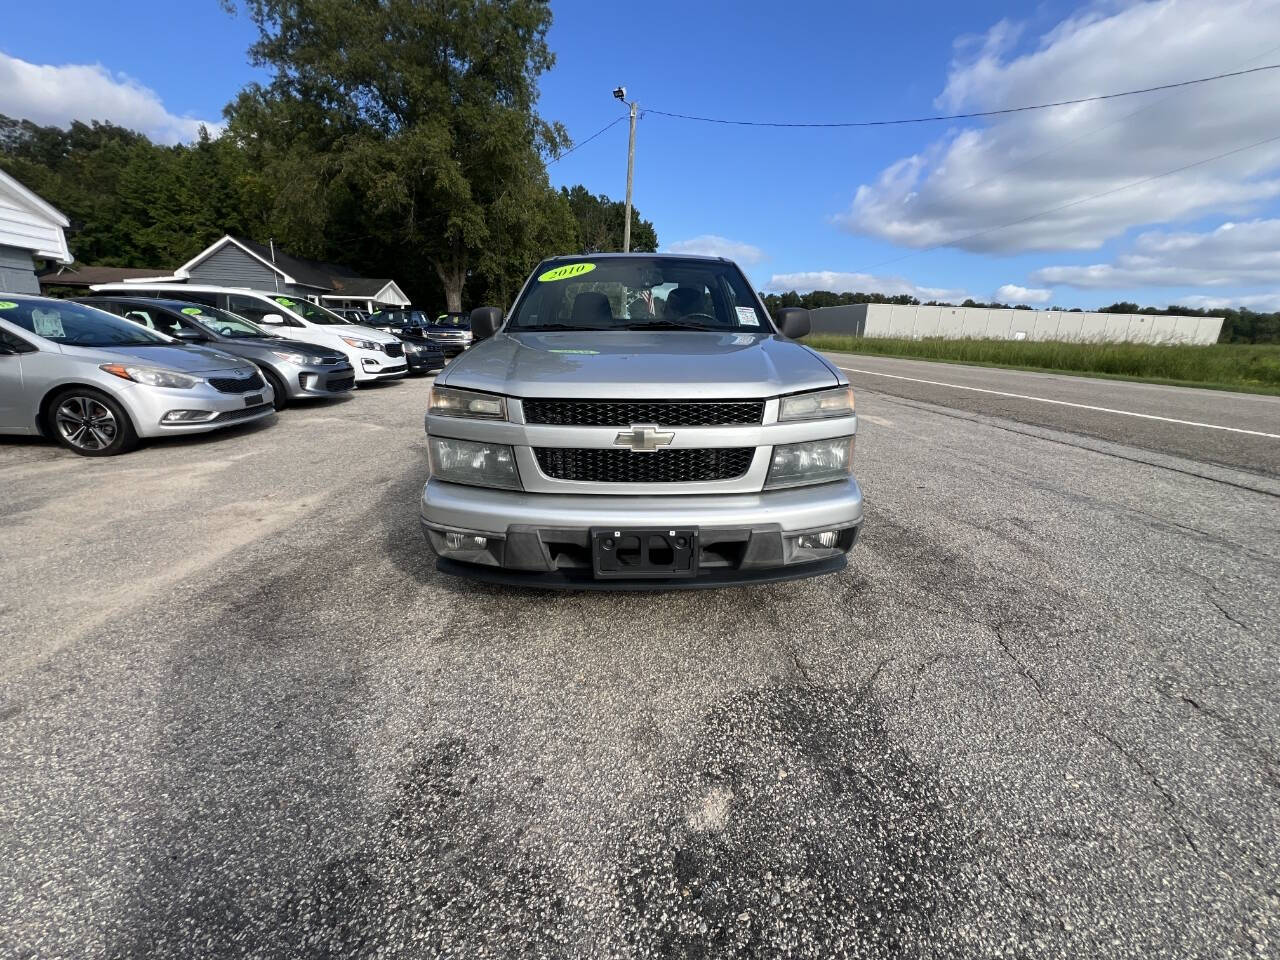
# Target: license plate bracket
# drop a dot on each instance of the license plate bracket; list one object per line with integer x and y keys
{"x": 644, "y": 552}
{"x": 253, "y": 401}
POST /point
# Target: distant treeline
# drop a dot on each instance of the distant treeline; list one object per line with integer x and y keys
{"x": 1238, "y": 325}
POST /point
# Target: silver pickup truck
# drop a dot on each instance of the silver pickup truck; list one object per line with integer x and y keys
{"x": 639, "y": 421}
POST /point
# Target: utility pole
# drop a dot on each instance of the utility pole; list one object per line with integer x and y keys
{"x": 621, "y": 94}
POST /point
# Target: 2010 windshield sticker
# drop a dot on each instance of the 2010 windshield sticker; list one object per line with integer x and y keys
{"x": 7, "y": 304}
{"x": 747, "y": 317}
{"x": 566, "y": 272}
{"x": 284, "y": 301}
{"x": 191, "y": 311}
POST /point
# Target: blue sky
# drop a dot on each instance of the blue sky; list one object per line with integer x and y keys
{"x": 888, "y": 208}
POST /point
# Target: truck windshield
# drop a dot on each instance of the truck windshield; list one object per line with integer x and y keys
{"x": 639, "y": 293}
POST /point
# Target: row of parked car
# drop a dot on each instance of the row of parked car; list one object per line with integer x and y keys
{"x": 98, "y": 373}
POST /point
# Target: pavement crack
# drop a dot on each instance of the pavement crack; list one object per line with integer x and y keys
{"x": 796, "y": 663}
{"x": 1133, "y": 759}
{"x": 1228, "y": 614}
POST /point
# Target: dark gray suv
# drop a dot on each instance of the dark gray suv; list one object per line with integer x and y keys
{"x": 294, "y": 369}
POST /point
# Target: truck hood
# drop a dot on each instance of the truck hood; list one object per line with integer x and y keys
{"x": 658, "y": 365}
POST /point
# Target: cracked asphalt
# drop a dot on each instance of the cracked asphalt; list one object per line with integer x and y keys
{"x": 242, "y": 715}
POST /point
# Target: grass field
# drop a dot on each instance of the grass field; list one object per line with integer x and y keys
{"x": 1224, "y": 366}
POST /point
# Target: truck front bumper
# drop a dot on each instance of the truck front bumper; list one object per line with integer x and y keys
{"x": 545, "y": 539}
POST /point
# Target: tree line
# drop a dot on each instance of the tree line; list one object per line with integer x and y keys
{"x": 1239, "y": 325}
{"x": 401, "y": 140}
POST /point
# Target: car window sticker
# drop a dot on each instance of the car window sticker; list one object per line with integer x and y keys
{"x": 48, "y": 324}
{"x": 565, "y": 272}
{"x": 747, "y": 317}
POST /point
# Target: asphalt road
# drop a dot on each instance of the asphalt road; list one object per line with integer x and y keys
{"x": 241, "y": 714}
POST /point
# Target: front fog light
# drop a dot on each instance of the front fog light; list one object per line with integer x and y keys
{"x": 457, "y": 541}
{"x": 818, "y": 461}
{"x": 467, "y": 547}
{"x": 818, "y": 545}
{"x": 187, "y": 416}
{"x": 477, "y": 464}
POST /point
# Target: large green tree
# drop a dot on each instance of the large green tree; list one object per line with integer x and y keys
{"x": 415, "y": 119}
{"x": 600, "y": 222}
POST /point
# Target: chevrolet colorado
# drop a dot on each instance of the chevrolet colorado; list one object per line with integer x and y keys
{"x": 640, "y": 421}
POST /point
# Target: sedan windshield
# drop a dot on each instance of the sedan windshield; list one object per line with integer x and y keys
{"x": 639, "y": 293}
{"x": 310, "y": 312}
{"x": 226, "y": 323}
{"x": 75, "y": 324}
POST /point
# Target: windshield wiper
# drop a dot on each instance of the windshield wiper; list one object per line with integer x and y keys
{"x": 558, "y": 326}
{"x": 670, "y": 325}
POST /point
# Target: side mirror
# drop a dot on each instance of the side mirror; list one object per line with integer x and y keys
{"x": 793, "y": 322}
{"x": 190, "y": 336}
{"x": 273, "y": 318}
{"x": 485, "y": 322}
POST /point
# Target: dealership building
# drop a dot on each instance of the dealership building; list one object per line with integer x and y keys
{"x": 916, "y": 322}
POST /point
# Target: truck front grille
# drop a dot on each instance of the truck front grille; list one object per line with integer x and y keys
{"x": 665, "y": 413}
{"x": 665, "y": 466}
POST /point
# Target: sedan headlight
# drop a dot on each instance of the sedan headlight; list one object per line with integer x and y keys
{"x": 361, "y": 344}
{"x": 477, "y": 464}
{"x": 151, "y": 376}
{"x": 818, "y": 405}
{"x": 288, "y": 357}
{"x": 818, "y": 461}
{"x": 447, "y": 402}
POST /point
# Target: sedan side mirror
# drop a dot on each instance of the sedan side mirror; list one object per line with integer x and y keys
{"x": 272, "y": 318}
{"x": 793, "y": 322}
{"x": 485, "y": 322}
{"x": 190, "y": 336}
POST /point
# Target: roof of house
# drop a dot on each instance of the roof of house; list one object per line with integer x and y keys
{"x": 310, "y": 273}
{"x": 28, "y": 222}
{"x": 88, "y": 276}
{"x": 356, "y": 287}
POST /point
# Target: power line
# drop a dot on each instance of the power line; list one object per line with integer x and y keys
{"x": 1071, "y": 203}
{"x": 964, "y": 116}
{"x": 576, "y": 146}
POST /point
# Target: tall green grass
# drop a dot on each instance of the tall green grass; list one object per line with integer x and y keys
{"x": 1228, "y": 366}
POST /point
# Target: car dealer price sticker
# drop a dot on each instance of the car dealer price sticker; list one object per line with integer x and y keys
{"x": 7, "y": 305}
{"x": 566, "y": 272}
{"x": 191, "y": 311}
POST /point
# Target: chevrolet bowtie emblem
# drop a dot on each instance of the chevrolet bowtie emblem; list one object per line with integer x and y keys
{"x": 645, "y": 438}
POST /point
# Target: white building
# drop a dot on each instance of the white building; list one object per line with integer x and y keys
{"x": 30, "y": 230}
{"x": 919, "y": 322}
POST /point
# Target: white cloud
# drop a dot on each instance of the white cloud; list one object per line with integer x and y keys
{"x": 1012, "y": 293}
{"x": 710, "y": 245}
{"x": 1234, "y": 254}
{"x": 1262, "y": 302}
{"x": 56, "y": 95}
{"x": 838, "y": 282}
{"x": 981, "y": 178}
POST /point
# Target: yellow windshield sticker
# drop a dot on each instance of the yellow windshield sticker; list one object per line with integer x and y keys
{"x": 565, "y": 272}
{"x": 7, "y": 304}
{"x": 284, "y": 301}
{"x": 191, "y": 311}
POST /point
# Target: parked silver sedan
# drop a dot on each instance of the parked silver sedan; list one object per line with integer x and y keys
{"x": 96, "y": 383}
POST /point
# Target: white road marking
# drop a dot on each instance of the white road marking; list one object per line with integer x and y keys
{"x": 1065, "y": 403}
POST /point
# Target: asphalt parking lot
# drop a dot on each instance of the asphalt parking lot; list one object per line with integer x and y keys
{"x": 241, "y": 714}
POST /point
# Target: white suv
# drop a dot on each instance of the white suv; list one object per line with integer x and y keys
{"x": 374, "y": 355}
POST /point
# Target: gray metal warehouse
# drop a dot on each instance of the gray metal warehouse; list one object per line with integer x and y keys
{"x": 917, "y": 322}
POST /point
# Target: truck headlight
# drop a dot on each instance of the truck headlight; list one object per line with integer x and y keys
{"x": 818, "y": 405}
{"x": 477, "y": 464}
{"x": 447, "y": 402}
{"x": 817, "y": 461}
{"x": 151, "y": 376}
